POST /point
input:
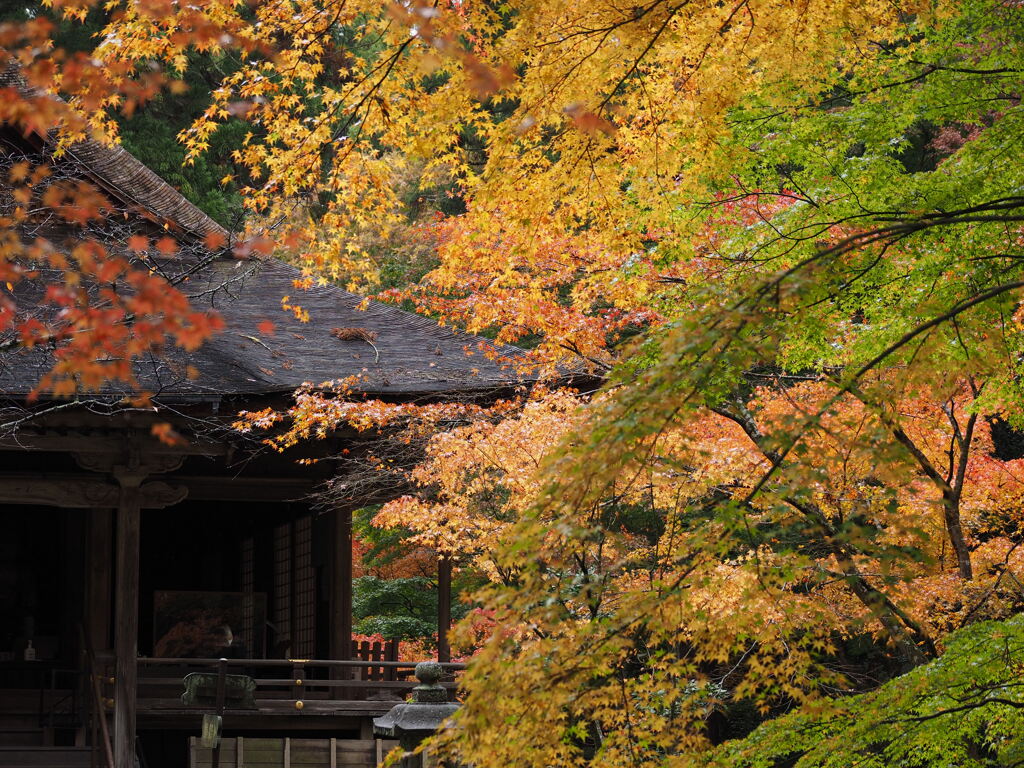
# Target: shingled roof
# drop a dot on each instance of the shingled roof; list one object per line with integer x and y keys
{"x": 405, "y": 354}
{"x": 400, "y": 355}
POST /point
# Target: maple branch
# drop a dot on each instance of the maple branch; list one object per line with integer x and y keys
{"x": 928, "y": 70}
{"x": 951, "y": 486}
{"x": 965, "y": 448}
{"x": 909, "y": 336}
{"x": 906, "y": 633}
{"x": 902, "y": 227}
{"x": 672, "y": 11}
{"x": 900, "y": 435}
{"x": 1003, "y": 569}
{"x": 745, "y": 419}
{"x": 955, "y": 710}
{"x": 571, "y": 346}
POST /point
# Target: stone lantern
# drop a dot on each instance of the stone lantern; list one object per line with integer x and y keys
{"x": 413, "y": 721}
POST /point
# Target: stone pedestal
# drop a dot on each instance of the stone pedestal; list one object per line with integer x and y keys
{"x": 413, "y": 721}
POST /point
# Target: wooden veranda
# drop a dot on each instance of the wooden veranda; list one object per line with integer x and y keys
{"x": 129, "y": 516}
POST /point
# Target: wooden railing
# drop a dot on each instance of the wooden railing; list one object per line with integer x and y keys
{"x": 100, "y": 740}
{"x": 283, "y": 686}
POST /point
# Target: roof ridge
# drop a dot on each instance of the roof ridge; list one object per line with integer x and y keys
{"x": 125, "y": 175}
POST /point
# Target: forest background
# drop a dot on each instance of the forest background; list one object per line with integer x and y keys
{"x": 784, "y": 238}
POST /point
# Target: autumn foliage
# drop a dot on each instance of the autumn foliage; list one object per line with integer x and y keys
{"x": 781, "y": 240}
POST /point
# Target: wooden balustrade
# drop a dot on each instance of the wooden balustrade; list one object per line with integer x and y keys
{"x": 283, "y": 686}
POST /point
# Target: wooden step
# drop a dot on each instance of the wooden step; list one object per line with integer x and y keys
{"x": 44, "y": 757}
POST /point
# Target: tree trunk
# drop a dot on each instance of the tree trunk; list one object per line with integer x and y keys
{"x": 951, "y": 511}
{"x": 908, "y": 637}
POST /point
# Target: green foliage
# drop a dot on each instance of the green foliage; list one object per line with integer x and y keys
{"x": 966, "y": 710}
{"x": 915, "y": 132}
{"x": 405, "y": 609}
{"x": 151, "y": 134}
{"x": 385, "y": 545}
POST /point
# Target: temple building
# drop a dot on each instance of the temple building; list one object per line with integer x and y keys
{"x": 127, "y": 563}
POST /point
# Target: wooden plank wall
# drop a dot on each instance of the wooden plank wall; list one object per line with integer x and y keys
{"x": 290, "y": 753}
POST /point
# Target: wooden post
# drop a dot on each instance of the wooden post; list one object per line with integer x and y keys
{"x": 127, "y": 629}
{"x": 124, "y": 462}
{"x": 444, "y": 608}
{"x": 98, "y": 578}
{"x": 222, "y": 679}
{"x": 341, "y": 585}
{"x": 298, "y": 673}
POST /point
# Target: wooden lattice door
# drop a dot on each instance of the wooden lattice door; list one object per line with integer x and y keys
{"x": 293, "y": 611}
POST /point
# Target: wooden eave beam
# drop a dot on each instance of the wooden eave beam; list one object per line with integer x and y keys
{"x": 245, "y": 489}
{"x": 90, "y": 491}
{"x": 101, "y": 442}
{"x": 73, "y": 491}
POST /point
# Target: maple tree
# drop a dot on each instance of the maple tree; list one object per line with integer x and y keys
{"x": 965, "y": 710}
{"x": 817, "y": 408}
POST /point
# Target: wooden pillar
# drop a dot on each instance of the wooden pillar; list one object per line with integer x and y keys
{"x": 444, "y": 608}
{"x": 126, "y": 631}
{"x": 129, "y": 469}
{"x": 341, "y": 585}
{"x": 98, "y": 578}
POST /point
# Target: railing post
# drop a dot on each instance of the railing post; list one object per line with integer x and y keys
{"x": 219, "y": 703}
{"x": 99, "y": 718}
{"x": 390, "y": 654}
{"x": 222, "y": 678}
{"x": 298, "y": 681}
